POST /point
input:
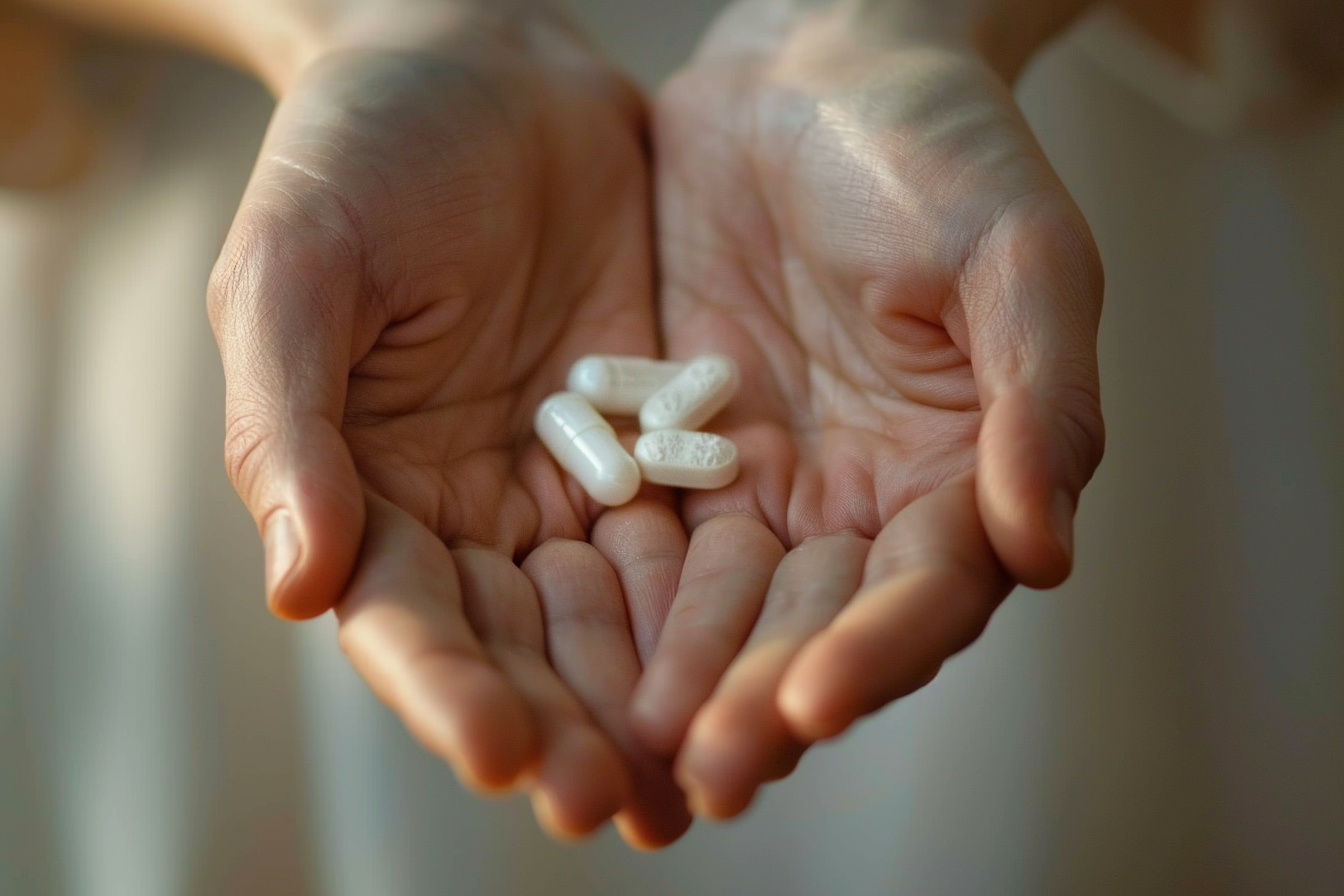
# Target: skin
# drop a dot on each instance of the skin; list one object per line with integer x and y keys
{"x": 866, "y": 224}
{"x": 848, "y": 203}
{"x": 410, "y": 232}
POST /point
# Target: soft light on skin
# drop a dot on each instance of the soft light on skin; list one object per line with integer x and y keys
{"x": 281, "y": 40}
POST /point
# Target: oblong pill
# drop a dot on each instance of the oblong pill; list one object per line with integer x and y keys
{"x": 686, "y": 459}
{"x": 620, "y": 384}
{"x": 586, "y": 447}
{"x": 691, "y": 398}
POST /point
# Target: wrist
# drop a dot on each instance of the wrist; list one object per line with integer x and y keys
{"x": 1003, "y": 34}
{"x": 1008, "y": 34}
{"x": 278, "y": 41}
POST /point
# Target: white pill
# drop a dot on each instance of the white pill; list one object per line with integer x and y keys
{"x": 691, "y": 398}
{"x": 620, "y": 384}
{"x": 585, "y": 445}
{"x": 686, "y": 459}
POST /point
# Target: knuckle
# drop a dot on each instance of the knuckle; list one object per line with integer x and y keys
{"x": 228, "y": 280}
{"x": 563, "y": 553}
{"x": 1040, "y": 238}
{"x": 295, "y": 247}
{"x": 697, "y": 624}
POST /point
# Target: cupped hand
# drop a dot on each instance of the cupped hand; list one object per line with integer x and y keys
{"x": 866, "y": 224}
{"x": 431, "y": 236}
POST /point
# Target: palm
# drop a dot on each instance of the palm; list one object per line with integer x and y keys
{"x": 835, "y": 238}
{"x": 488, "y": 252}
{"x": 786, "y": 254}
{"x": 449, "y": 213}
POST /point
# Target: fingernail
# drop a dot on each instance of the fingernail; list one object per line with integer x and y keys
{"x": 1061, "y": 520}
{"x": 282, "y": 548}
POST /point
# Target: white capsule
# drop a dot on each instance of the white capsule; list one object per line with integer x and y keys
{"x": 691, "y": 398}
{"x": 685, "y": 459}
{"x": 620, "y": 384}
{"x": 585, "y": 445}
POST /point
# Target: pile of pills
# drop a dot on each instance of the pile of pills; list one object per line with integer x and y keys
{"x": 673, "y": 400}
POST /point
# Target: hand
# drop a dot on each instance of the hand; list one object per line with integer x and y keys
{"x": 865, "y": 223}
{"x": 432, "y": 234}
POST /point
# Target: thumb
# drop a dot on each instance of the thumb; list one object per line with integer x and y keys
{"x": 1032, "y": 297}
{"x": 286, "y": 346}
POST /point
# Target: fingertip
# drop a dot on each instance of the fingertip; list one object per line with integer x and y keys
{"x": 808, "y": 720}
{"x": 650, "y": 835}
{"x": 1034, "y": 554}
{"x": 496, "y": 776}
{"x": 582, "y": 786}
{"x": 557, "y": 826}
{"x": 1046, "y": 560}
{"x": 786, "y": 763}
{"x": 724, "y": 760}
{"x": 283, "y": 553}
{"x": 543, "y": 809}
{"x": 656, "y": 814}
{"x": 712, "y": 794}
{"x": 716, "y": 806}
{"x": 309, "y": 563}
{"x": 476, "y": 722}
{"x": 498, "y": 752}
{"x": 300, "y": 483}
{"x": 882, "y": 651}
{"x": 301, "y": 601}
{"x": 812, "y": 704}
{"x": 1058, "y": 565}
{"x": 1024, "y": 502}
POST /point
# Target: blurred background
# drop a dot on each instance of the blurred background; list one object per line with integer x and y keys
{"x": 1169, "y": 722}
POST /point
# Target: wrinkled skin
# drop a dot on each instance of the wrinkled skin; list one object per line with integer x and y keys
{"x": 432, "y": 236}
{"x": 428, "y": 242}
{"x": 869, "y": 228}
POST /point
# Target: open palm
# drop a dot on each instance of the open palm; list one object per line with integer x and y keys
{"x": 872, "y": 233}
{"x": 428, "y": 242}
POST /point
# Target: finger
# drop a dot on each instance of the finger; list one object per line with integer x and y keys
{"x": 403, "y": 628}
{"x": 729, "y": 565}
{"x": 930, "y": 585}
{"x": 590, "y": 644}
{"x": 580, "y": 780}
{"x": 645, "y": 543}
{"x": 1032, "y": 296}
{"x": 281, "y": 304}
{"x": 739, "y": 739}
